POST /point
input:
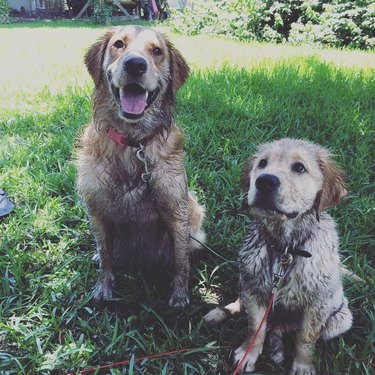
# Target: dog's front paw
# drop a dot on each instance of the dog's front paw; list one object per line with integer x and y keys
{"x": 103, "y": 288}
{"x": 179, "y": 298}
{"x": 302, "y": 369}
{"x": 248, "y": 364}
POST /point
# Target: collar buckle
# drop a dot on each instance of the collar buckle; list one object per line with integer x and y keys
{"x": 285, "y": 260}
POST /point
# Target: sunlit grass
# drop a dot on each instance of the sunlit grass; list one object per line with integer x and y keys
{"x": 33, "y": 59}
{"x": 238, "y": 95}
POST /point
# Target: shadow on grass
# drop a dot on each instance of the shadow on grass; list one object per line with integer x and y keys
{"x": 46, "y": 245}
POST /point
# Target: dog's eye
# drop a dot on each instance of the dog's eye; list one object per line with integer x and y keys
{"x": 262, "y": 163}
{"x": 157, "y": 51}
{"x": 118, "y": 44}
{"x": 298, "y": 167}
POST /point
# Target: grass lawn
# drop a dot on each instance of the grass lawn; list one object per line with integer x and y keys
{"x": 238, "y": 96}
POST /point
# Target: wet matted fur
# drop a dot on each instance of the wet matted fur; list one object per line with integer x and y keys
{"x": 137, "y": 73}
{"x": 288, "y": 184}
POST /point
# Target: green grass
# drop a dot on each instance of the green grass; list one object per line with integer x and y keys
{"x": 238, "y": 96}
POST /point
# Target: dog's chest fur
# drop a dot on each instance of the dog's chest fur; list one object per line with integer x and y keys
{"x": 114, "y": 190}
{"x": 110, "y": 181}
{"x": 306, "y": 279}
{"x": 117, "y": 190}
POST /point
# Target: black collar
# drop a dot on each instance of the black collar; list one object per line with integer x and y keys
{"x": 293, "y": 250}
{"x": 297, "y": 251}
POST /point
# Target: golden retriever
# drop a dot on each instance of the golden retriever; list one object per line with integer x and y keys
{"x": 288, "y": 184}
{"x": 131, "y": 173}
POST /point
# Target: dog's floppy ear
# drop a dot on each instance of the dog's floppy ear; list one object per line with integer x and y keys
{"x": 334, "y": 187}
{"x": 178, "y": 67}
{"x": 245, "y": 181}
{"x": 95, "y": 56}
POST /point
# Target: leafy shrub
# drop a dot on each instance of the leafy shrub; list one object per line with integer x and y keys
{"x": 4, "y": 11}
{"x": 339, "y": 24}
{"x": 349, "y": 23}
{"x": 332, "y": 22}
{"x": 102, "y": 11}
{"x": 241, "y": 19}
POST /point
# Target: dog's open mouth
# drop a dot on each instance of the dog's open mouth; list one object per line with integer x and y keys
{"x": 134, "y": 100}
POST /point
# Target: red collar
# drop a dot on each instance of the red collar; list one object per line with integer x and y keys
{"x": 119, "y": 138}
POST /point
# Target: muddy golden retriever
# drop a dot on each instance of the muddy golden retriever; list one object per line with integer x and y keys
{"x": 131, "y": 173}
{"x": 289, "y": 184}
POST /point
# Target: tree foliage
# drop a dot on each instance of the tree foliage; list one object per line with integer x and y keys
{"x": 4, "y": 11}
{"x": 333, "y": 22}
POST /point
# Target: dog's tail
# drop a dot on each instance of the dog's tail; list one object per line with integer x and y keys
{"x": 196, "y": 216}
{"x": 197, "y": 239}
{"x": 351, "y": 275}
{"x": 219, "y": 314}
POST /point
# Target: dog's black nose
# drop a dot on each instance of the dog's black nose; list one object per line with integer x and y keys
{"x": 267, "y": 183}
{"x": 135, "y": 66}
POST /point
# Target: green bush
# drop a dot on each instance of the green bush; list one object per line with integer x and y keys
{"x": 333, "y": 22}
{"x": 102, "y": 11}
{"x": 241, "y": 19}
{"x": 4, "y": 12}
{"x": 339, "y": 24}
{"x": 350, "y": 23}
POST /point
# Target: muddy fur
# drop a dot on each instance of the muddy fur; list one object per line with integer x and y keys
{"x": 133, "y": 226}
{"x": 288, "y": 184}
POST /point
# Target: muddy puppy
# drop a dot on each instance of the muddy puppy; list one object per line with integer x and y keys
{"x": 289, "y": 184}
{"x": 131, "y": 172}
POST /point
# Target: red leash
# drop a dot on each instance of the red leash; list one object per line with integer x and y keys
{"x": 139, "y": 359}
{"x": 250, "y": 347}
{"x": 276, "y": 282}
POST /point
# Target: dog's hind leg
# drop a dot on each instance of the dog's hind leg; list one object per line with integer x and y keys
{"x": 338, "y": 322}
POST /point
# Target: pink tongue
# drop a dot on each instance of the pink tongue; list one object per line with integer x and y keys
{"x": 133, "y": 103}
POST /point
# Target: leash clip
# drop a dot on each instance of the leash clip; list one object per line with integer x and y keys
{"x": 285, "y": 261}
{"x": 146, "y": 177}
{"x": 141, "y": 154}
